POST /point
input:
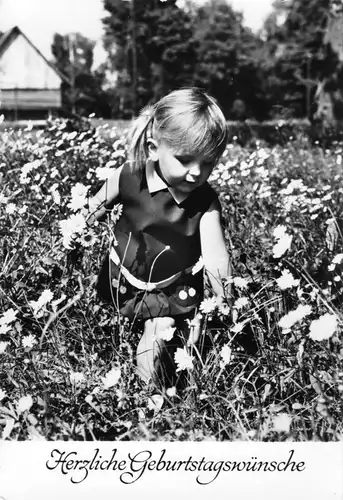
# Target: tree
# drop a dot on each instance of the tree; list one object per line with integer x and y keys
{"x": 150, "y": 47}
{"x": 300, "y": 56}
{"x": 171, "y": 48}
{"x": 224, "y": 67}
{"x": 82, "y": 93}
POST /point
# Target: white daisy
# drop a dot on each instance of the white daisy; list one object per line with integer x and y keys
{"x": 8, "y": 317}
{"x": 240, "y": 303}
{"x": 183, "y": 360}
{"x": 282, "y": 422}
{"x": 241, "y": 283}
{"x": 282, "y": 246}
{"x": 287, "y": 321}
{"x": 28, "y": 341}
{"x": 279, "y": 232}
{"x": 286, "y": 280}
{"x": 225, "y": 354}
{"x": 208, "y": 305}
{"x": 76, "y": 378}
{"x": 324, "y": 327}
{"x": 111, "y": 378}
{"x": 24, "y": 403}
{"x": 116, "y": 212}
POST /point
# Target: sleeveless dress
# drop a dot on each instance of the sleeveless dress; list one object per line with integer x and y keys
{"x": 150, "y": 222}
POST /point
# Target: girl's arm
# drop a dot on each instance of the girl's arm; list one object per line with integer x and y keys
{"x": 213, "y": 248}
{"x": 107, "y": 194}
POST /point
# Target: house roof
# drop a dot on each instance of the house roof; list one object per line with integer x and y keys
{"x": 7, "y": 38}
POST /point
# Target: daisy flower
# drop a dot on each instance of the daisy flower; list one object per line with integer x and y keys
{"x": 116, "y": 212}
{"x": 28, "y": 341}
{"x": 24, "y": 403}
{"x": 4, "y": 329}
{"x": 79, "y": 194}
{"x": 208, "y": 305}
{"x": 282, "y": 246}
{"x": 183, "y": 360}
{"x": 11, "y": 208}
{"x": 240, "y": 283}
{"x": 224, "y": 309}
{"x": 39, "y": 304}
{"x": 287, "y": 321}
{"x": 88, "y": 240}
{"x": 324, "y": 327}
{"x": 237, "y": 327}
{"x": 286, "y": 280}
{"x": 282, "y": 422}
{"x": 8, "y": 317}
{"x": 337, "y": 259}
{"x": 241, "y": 302}
{"x": 71, "y": 227}
{"x": 225, "y": 354}
{"x": 279, "y": 232}
{"x": 111, "y": 378}
{"x": 171, "y": 392}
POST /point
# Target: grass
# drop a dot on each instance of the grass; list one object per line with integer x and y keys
{"x": 68, "y": 368}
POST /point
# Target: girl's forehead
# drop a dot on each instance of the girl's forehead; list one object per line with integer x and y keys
{"x": 184, "y": 150}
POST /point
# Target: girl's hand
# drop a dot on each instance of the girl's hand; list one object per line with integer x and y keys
{"x": 195, "y": 327}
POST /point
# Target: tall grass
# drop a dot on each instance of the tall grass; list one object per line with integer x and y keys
{"x": 68, "y": 362}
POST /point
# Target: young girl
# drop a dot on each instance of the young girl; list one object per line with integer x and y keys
{"x": 171, "y": 217}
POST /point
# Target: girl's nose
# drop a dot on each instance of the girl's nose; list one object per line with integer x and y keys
{"x": 195, "y": 170}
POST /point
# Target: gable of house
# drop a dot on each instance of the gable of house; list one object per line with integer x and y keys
{"x": 22, "y": 66}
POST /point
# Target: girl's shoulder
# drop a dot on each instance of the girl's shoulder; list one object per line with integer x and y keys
{"x": 129, "y": 171}
{"x": 130, "y": 180}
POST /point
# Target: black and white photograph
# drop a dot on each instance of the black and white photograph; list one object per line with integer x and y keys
{"x": 171, "y": 248}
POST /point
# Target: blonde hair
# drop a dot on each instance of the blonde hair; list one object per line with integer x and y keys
{"x": 187, "y": 119}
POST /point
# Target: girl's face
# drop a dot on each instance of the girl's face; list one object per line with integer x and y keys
{"x": 182, "y": 170}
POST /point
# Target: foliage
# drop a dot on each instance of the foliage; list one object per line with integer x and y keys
{"x": 224, "y": 67}
{"x": 156, "y": 46}
{"x": 68, "y": 362}
{"x": 82, "y": 92}
{"x": 151, "y": 48}
{"x": 300, "y": 58}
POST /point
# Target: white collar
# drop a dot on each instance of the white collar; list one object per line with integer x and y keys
{"x": 156, "y": 183}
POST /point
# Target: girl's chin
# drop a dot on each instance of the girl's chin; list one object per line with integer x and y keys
{"x": 187, "y": 187}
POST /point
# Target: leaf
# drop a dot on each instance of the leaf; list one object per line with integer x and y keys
{"x": 300, "y": 352}
{"x": 316, "y": 385}
{"x": 267, "y": 391}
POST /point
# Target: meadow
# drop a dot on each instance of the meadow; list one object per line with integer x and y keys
{"x": 269, "y": 367}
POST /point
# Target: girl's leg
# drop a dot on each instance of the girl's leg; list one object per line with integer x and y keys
{"x": 150, "y": 347}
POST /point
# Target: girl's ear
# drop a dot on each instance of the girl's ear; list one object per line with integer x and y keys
{"x": 152, "y": 149}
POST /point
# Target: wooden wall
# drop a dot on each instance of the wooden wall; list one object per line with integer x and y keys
{"x": 30, "y": 99}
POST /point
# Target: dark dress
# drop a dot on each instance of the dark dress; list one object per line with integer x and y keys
{"x": 149, "y": 223}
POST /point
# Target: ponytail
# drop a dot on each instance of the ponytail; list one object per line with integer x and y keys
{"x": 140, "y": 132}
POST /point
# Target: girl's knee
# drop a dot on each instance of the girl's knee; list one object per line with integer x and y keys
{"x": 160, "y": 325}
